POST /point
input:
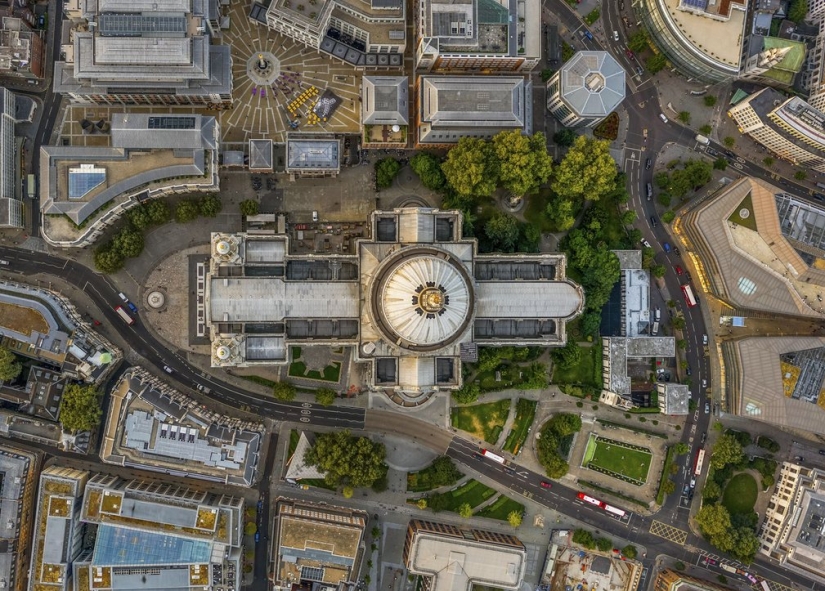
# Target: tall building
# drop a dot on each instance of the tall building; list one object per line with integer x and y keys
{"x": 586, "y": 90}
{"x": 150, "y": 52}
{"x": 18, "y": 484}
{"x": 453, "y": 558}
{"x": 21, "y": 49}
{"x": 481, "y": 36}
{"x": 413, "y": 300}
{"x": 453, "y": 107}
{"x": 11, "y": 204}
{"x": 789, "y": 127}
{"x": 794, "y": 519}
{"x": 365, "y": 34}
{"x": 316, "y": 546}
{"x": 704, "y": 39}
{"x": 57, "y": 540}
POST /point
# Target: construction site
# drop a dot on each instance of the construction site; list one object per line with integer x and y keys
{"x": 570, "y": 568}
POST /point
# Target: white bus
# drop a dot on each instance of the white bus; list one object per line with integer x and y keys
{"x": 124, "y": 315}
{"x": 491, "y": 456}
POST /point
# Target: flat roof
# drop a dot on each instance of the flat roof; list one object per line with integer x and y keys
{"x": 474, "y": 100}
{"x": 312, "y": 154}
{"x": 152, "y": 131}
{"x": 721, "y": 40}
{"x": 136, "y": 6}
{"x": 458, "y": 564}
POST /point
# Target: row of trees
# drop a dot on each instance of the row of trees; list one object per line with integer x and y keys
{"x": 694, "y": 174}
{"x": 552, "y": 449}
{"x": 129, "y": 242}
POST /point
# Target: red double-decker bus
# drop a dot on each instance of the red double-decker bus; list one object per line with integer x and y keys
{"x": 690, "y": 299}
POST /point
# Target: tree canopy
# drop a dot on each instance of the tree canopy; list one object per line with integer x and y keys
{"x": 80, "y": 408}
{"x": 386, "y": 170}
{"x": 325, "y": 396}
{"x": 347, "y": 459}
{"x": 107, "y": 258}
{"x": 524, "y": 164}
{"x": 186, "y": 211}
{"x": 284, "y": 391}
{"x": 471, "y": 168}
{"x": 588, "y": 171}
{"x": 726, "y": 450}
{"x": 720, "y": 530}
{"x": 428, "y": 168}
{"x": 561, "y": 213}
{"x": 467, "y": 393}
{"x": 210, "y": 205}
{"x": 565, "y": 137}
{"x": 248, "y": 207}
{"x": 503, "y": 231}
{"x": 559, "y": 426}
{"x": 465, "y": 510}
{"x": 567, "y": 356}
{"x": 798, "y": 11}
{"x": 10, "y": 366}
{"x": 514, "y": 518}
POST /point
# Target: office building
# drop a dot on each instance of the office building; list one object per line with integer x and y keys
{"x": 794, "y": 519}
{"x": 11, "y": 194}
{"x": 21, "y": 50}
{"x": 587, "y": 89}
{"x": 316, "y": 546}
{"x": 481, "y": 36}
{"x": 412, "y": 300}
{"x": 452, "y": 107}
{"x": 453, "y": 558}
{"x": 385, "y": 111}
{"x": 18, "y": 483}
{"x": 145, "y": 52}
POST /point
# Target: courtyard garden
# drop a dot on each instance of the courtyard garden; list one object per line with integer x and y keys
{"x": 471, "y": 492}
{"x": 740, "y": 494}
{"x": 298, "y": 369}
{"x": 525, "y": 413}
{"x": 485, "y": 421}
{"x": 584, "y": 376}
{"x": 618, "y": 459}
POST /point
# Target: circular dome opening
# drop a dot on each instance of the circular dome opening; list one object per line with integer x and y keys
{"x": 223, "y": 247}
{"x": 222, "y": 352}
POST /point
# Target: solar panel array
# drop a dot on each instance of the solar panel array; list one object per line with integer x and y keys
{"x": 81, "y": 181}
{"x": 140, "y": 25}
{"x": 171, "y": 123}
{"x": 699, "y": 4}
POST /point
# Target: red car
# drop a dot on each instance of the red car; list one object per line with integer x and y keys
{"x": 678, "y": 270}
{"x": 629, "y": 54}
{"x": 545, "y": 484}
{"x": 96, "y": 322}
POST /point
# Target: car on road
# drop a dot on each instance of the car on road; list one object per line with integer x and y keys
{"x": 693, "y": 482}
{"x": 662, "y": 117}
{"x": 783, "y": 182}
{"x": 589, "y": 35}
{"x": 314, "y": 216}
{"x": 132, "y": 307}
{"x": 704, "y": 339}
{"x": 41, "y": 22}
{"x": 629, "y": 54}
{"x": 509, "y": 470}
{"x": 707, "y": 408}
{"x": 123, "y": 297}
{"x": 687, "y": 370}
{"x": 649, "y": 189}
{"x": 545, "y": 484}
{"x": 730, "y": 154}
{"x": 2, "y": 262}
{"x": 615, "y": 35}
{"x": 704, "y": 383}
{"x": 711, "y": 152}
{"x": 639, "y": 70}
{"x": 751, "y": 578}
{"x": 666, "y": 246}
{"x": 708, "y": 561}
{"x": 685, "y": 490}
{"x": 199, "y": 387}
{"x": 96, "y": 322}
{"x": 653, "y": 221}
{"x": 257, "y": 537}
{"x": 678, "y": 270}
{"x": 799, "y": 459}
{"x": 822, "y": 452}
{"x": 647, "y": 164}
{"x": 819, "y": 196}
{"x": 676, "y": 251}
{"x": 168, "y": 369}
{"x": 704, "y": 437}
{"x": 646, "y": 244}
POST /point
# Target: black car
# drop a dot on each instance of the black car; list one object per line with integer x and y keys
{"x": 822, "y": 452}
{"x": 653, "y": 221}
{"x": 819, "y": 196}
{"x": 647, "y": 164}
{"x": 676, "y": 251}
{"x": 730, "y": 154}
{"x": 687, "y": 370}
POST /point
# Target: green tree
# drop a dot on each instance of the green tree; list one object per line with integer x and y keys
{"x": 588, "y": 171}
{"x": 705, "y": 129}
{"x": 325, "y": 396}
{"x": 720, "y": 164}
{"x": 386, "y": 170}
{"x": 681, "y": 449}
{"x": 668, "y": 487}
{"x": 514, "y": 518}
{"x": 471, "y": 168}
{"x": 129, "y": 242}
{"x": 467, "y": 393}
{"x": 421, "y": 503}
{"x": 250, "y": 528}
{"x": 428, "y": 168}
{"x": 10, "y": 366}
{"x": 684, "y": 117}
{"x": 347, "y": 459}
{"x": 560, "y": 213}
{"x": 248, "y": 207}
{"x": 727, "y": 450}
{"x": 638, "y": 41}
{"x": 523, "y": 162}
{"x": 567, "y": 356}
{"x": 630, "y": 551}
{"x": 662, "y": 180}
{"x": 503, "y": 231}
{"x": 80, "y": 409}
{"x": 768, "y": 161}
{"x": 590, "y": 324}
{"x": 565, "y": 137}
{"x": 664, "y": 198}
{"x": 656, "y": 63}
{"x": 380, "y": 484}
{"x": 347, "y": 492}
{"x": 658, "y": 271}
{"x": 800, "y": 175}
{"x": 713, "y": 520}
{"x": 546, "y": 74}
{"x": 709, "y": 100}
{"x": 465, "y": 510}
{"x": 798, "y": 11}
{"x": 139, "y": 217}
{"x": 564, "y": 424}
{"x": 603, "y": 544}
{"x": 678, "y": 322}
{"x": 628, "y": 217}
{"x": 107, "y": 258}
{"x": 681, "y": 344}
{"x": 668, "y": 217}
{"x": 186, "y": 211}
{"x": 444, "y": 471}
{"x": 679, "y": 565}
{"x": 584, "y": 538}
{"x": 284, "y": 391}
{"x": 158, "y": 211}
{"x": 712, "y": 490}
{"x": 729, "y": 141}
{"x": 375, "y": 531}
{"x": 210, "y": 205}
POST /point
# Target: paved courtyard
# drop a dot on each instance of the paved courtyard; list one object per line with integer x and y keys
{"x": 262, "y": 111}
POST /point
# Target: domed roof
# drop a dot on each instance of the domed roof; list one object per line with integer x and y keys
{"x": 425, "y": 300}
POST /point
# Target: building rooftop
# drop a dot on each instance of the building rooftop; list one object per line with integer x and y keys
{"x": 260, "y": 155}
{"x": 17, "y": 477}
{"x": 673, "y": 398}
{"x": 385, "y": 100}
{"x": 717, "y": 34}
{"x": 473, "y": 101}
{"x": 592, "y": 83}
{"x": 118, "y": 546}
{"x": 568, "y": 565}
{"x": 312, "y": 154}
{"x": 158, "y": 132}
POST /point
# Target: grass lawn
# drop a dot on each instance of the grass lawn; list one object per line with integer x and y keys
{"x": 298, "y": 369}
{"x": 534, "y": 211}
{"x": 472, "y": 492}
{"x": 317, "y": 483}
{"x": 421, "y": 481}
{"x": 632, "y": 463}
{"x": 749, "y": 221}
{"x": 294, "y": 436}
{"x": 522, "y": 422}
{"x": 585, "y": 371}
{"x": 501, "y": 508}
{"x": 740, "y": 494}
{"x": 482, "y": 420}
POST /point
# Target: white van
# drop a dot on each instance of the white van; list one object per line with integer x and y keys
{"x": 662, "y": 117}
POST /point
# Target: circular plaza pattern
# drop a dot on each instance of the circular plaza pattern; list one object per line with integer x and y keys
{"x": 423, "y": 299}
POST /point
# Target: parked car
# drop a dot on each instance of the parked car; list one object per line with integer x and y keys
{"x": 649, "y": 188}
{"x": 314, "y": 216}
{"x": 589, "y": 35}
{"x": 676, "y": 251}
{"x": 132, "y": 307}
{"x": 730, "y": 154}
{"x": 688, "y": 370}
{"x": 629, "y": 54}
{"x": 96, "y": 322}
{"x": 693, "y": 482}
{"x": 704, "y": 339}
{"x": 645, "y": 243}
{"x": 653, "y": 221}
{"x": 123, "y": 297}
{"x": 647, "y": 164}
{"x": 707, "y": 407}
{"x": 822, "y": 452}
{"x": 257, "y": 537}
{"x": 615, "y": 35}
{"x": 685, "y": 490}
{"x": 41, "y": 22}
{"x": 666, "y": 246}
{"x": 679, "y": 270}
{"x": 545, "y": 484}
